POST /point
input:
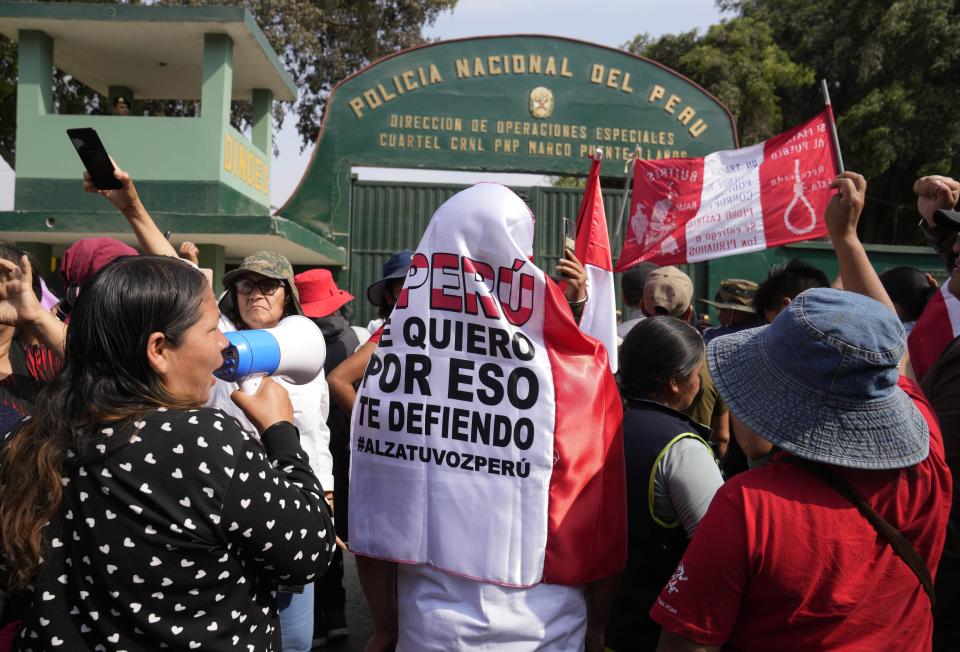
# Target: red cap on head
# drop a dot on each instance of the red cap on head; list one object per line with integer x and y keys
{"x": 319, "y": 294}
{"x": 85, "y": 257}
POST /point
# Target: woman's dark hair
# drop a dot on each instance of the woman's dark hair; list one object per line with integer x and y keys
{"x": 105, "y": 378}
{"x": 632, "y": 282}
{"x": 656, "y": 350}
{"x": 394, "y": 285}
{"x": 787, "y": 280}
{"x": 908, "y": 288}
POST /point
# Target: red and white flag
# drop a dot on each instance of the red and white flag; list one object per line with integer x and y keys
{"x": 937, "y": 327}
{"x": 599, "y": 317}
{"x": 487, "y": 432}
{"x": 732, "y": 202}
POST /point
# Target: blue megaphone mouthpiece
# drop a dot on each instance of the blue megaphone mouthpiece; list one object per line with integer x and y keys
{"x": 293, "y": 350}
{"x": 250, "y": 352}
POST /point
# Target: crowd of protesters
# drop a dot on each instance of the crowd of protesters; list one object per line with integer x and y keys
{"x": 788, "y": 469}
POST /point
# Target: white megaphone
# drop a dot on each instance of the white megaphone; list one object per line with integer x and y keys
{"x": 293, "y": 349}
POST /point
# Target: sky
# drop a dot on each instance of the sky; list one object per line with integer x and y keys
{"x": 607, "y": 22}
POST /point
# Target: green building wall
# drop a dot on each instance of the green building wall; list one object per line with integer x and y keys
{"x": 180, "y": 164}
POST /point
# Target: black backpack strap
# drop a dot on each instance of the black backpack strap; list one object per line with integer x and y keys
{"x": 18, "y": 359}
{"x": 898, "y": 542}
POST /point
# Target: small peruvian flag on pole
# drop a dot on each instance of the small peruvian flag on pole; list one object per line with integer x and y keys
{"x": 599, "y": 318}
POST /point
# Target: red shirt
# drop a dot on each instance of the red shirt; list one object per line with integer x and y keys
{"x": 33, "y": 367}
{"x": 937, "y": 327}
{"x": 783, "y": 562}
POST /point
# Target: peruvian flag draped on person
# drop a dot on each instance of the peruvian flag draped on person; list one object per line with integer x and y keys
{"x": 487, "y": 434}
{"x": 736, "y": 201}
{"x": 599, "y": 317}
{"x": 937, "y": 327}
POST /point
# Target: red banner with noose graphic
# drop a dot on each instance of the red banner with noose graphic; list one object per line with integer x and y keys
{"x": 732, "y": 202}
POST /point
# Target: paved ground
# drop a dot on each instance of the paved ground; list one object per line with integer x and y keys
{"x": 358, "y": 616}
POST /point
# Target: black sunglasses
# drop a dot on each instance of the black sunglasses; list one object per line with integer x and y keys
{"x": 267, "y": 286}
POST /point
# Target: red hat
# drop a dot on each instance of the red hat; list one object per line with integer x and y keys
{"x": 319, "y": 294}
{"x": 85, "y": 257}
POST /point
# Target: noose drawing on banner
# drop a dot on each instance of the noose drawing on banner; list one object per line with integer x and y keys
{"x": 798, "y": 197}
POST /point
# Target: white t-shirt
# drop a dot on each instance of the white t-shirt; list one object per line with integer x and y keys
{"x": 311, "y": 405}
{"x": 440, "y": 612}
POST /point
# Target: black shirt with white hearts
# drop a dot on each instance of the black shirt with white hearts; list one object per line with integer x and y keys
{"x": 174, "y": 533}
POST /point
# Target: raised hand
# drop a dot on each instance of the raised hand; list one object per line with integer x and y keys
{"x": 935, "y": 192}
{"x": 125, "y": 199}
{"x": 572, "y": 271}
{"x": 843, "y": 211}
{"x": 190, "y": 251}
{"x": 18, "y": 304}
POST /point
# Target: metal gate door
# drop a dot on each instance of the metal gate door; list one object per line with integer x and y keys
{"x": 387, "y": 217}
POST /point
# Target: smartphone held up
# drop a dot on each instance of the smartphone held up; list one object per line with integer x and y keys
{"x": 568, "y": 243}
{"x": 95, "y": 158}
{"x": 569, "y": 235}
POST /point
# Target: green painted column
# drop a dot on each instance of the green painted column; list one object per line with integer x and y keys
{"x": 263, "y": 119}
{"x": 35, "y": 71}
{"x": 217, "y": 80}
{"x": 212, "y": 257}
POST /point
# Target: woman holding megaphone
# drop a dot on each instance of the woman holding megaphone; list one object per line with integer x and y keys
{"x": 130, "y": 516}
{"x": 259, "y": 294}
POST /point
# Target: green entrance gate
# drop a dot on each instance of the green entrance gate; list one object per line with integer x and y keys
{"x": 523, "y": 104}
{"x": 389, "y": 216}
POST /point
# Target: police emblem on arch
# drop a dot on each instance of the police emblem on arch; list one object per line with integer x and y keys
{"x": 541, "y": 102}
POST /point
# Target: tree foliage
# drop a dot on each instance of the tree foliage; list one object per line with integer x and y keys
{"x": 319, "y": 42}
{"x": 739, "y": 62}
{"x": 892, "y": 67}
{"x": 69, "y": 96}
{"x": 8, "y": 98}
{"x": 323, "y": 41}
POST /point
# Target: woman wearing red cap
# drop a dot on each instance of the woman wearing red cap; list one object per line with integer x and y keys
{"x": 326, "y": 305}
{"x": 383, "y": 294}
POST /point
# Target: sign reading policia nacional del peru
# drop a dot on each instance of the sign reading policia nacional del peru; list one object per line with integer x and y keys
{"x": 508, "y": 103}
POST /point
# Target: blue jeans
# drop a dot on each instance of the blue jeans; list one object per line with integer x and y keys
{"x": 296, "y": 619}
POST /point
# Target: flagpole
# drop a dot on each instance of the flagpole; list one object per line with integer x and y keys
{"x": 833, "y": 125}
{"x": 597, "y": 157}
{"x": 626, "y": 189}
